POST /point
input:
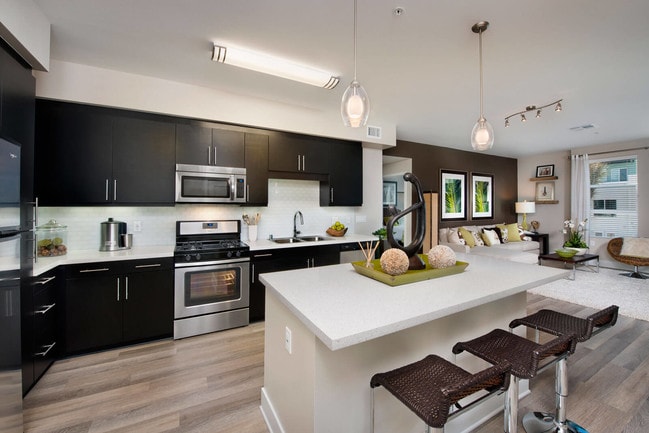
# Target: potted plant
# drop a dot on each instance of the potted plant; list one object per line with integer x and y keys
{"x": 575, "y": 239}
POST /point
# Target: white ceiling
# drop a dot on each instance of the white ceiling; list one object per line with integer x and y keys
{"x": 420, "y": 69}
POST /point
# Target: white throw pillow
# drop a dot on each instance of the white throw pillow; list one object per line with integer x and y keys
{"x": 443, "y": 235}
{"x": 453, "y": 236}
{"x": 635, "y": 247}
{"x": 490, "y": 237}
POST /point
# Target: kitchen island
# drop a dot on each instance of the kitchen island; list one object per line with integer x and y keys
{"x": 329, "y": 329}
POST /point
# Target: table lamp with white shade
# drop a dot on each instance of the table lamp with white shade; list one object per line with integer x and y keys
{"x": 525, "y": 207}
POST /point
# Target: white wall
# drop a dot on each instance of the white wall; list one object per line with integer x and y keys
{"x": 27, "y": 30}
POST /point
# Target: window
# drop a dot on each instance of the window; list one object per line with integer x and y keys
{"x": 614, "y": 197}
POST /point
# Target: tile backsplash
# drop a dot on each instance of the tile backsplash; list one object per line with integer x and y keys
{"x": 158, "y": 224}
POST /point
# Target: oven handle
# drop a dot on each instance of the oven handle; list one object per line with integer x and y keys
{"x": 211, "y": 263}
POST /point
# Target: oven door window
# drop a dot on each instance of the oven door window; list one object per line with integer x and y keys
{"x": 207, "y": 287}
{"x": 205, "y": 187}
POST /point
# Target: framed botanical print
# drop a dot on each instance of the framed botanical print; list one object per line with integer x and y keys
{"x": 544, "y": 191}
{"x": 482, "y": 187}
{"x": 453, "y": 195}
{"x": 389, "y": 193}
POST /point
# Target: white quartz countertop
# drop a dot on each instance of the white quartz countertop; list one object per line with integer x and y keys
{"x": 265, "y": 244}
{"x": 44, "y": 264}
{"x": 343, "y": 308}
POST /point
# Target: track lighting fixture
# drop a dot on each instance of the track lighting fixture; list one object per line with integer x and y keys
{"x": 529, "y": 108}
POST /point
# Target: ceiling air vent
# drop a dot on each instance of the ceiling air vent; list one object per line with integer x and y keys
{"x": 374, "y": 132}
{"x": 583, "y": 127}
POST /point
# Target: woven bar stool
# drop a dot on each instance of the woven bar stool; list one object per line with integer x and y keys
{"x": 431, "y": 386}
{"x": 524, "y": 356}
{"x": 555, "y": 323}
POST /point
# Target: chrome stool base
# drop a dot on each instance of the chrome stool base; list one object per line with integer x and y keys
{"x": 540, "y": 422}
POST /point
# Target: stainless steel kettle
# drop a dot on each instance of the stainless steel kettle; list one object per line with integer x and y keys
{"x": 113, "y": 235}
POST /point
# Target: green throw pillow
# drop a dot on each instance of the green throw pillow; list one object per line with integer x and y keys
{"x": 512, "y": 233}
{"x": 467, "y": 236}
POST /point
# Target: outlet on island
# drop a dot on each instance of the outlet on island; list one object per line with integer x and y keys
{"x": 137, "y": 226}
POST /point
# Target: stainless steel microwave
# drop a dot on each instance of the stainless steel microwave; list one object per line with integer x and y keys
{"x": 210, "y": 184}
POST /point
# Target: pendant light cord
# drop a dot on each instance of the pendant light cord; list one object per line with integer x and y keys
{"x": 354, "y": 40}
{"x": 481, "y": 96}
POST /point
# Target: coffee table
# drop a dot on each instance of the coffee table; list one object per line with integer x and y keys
{"x": 574, "y": 260}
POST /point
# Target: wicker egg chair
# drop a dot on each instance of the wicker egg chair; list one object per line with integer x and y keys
{"x": 615, "y": 246}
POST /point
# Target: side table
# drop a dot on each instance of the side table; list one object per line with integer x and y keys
{"x": 543, "y": 239}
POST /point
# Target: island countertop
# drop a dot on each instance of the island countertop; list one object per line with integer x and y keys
{"x": 343, "y": 308}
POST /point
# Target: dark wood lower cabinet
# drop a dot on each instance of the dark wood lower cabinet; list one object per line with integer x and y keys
{"x": 113, "y": 303}
{"x": 284, "y": 259}
{"x": 40, "y": 340}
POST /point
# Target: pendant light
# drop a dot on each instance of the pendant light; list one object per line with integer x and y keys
{"x": 482, "y": 136}
{"x": 355, "y": 106}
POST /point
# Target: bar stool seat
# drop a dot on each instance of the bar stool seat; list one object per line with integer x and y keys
{"x": 524, "y": 356}
{"x": 431, "y": 386}
{"x": 556, "y": 323}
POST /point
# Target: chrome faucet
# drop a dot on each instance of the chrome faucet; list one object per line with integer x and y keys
{"x": 295, "y": 232}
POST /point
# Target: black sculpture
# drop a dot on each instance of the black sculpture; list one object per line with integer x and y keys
{"x": 419, "y": 221}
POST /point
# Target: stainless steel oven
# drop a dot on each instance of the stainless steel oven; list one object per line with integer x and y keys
{"x": 212, "y": 277}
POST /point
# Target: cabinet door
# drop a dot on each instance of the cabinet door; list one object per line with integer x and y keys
{"x": 17, "y": 86}
{"x": 345, "y": 187}
{"x": 148, "y": 305}
{"x": 93, "y": 313}
{"x": 256, "y": 158}
{"x": 193, "y": 144}
{"x": 73, "y": 160}
{"x": 143, "y": 161}
{"x": 297, "y": 153}
{"x": 227, "y": 148}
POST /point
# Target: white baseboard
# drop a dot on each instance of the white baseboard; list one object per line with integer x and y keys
{"x": 269, "y": 414}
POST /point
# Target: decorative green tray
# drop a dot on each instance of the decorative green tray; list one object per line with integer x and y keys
{"x": 410, "y": 276}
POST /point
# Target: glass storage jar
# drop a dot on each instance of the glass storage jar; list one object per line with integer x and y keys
{"x": 51, "y": 239}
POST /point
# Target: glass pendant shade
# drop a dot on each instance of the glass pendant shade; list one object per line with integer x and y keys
{"x": 482, "y": 135}
{"x": 355, "y": 106}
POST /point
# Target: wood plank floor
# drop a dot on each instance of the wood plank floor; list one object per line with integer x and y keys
{"x": 211, "y": 383}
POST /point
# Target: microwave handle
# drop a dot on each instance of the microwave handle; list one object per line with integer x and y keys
{"x": 233, "y": 188}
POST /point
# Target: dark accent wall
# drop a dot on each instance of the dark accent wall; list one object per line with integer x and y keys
{"x": 427, "y": 161}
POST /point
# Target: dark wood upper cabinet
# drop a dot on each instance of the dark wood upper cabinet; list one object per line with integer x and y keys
{"x": 200, "y": 143}
{"x": 298, "y": 153}
{"x": 74, "y": 156}
{"x": 345, "y": 186}
{"x": 16, "y": 99}
{"x": 256, "y": 159}
{"x": 97, "y": 156}
{"x": 143, "y": 161}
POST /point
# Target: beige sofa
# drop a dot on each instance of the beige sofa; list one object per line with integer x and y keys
{"x": 516, "y": 247}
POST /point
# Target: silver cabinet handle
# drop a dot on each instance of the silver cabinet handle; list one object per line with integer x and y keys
{"x": 117, "y": 289}
{"x": 126, "y": 298}
{"x": 303, "y": 163}
{"x": 45, "y": 280}
{"x": 154, "y": 265}
{"x": 46, "y": 351}
{"x": 332, "y": 194}
{"x": 209, "y": 155}
{"x": 247, "y": 193}
{"x": 298, "y": 163}
{"x": 263, "y": 255}
{"x": 114, "y": 189}
{"x": 106, "y": 189}
{"x": 45, "y": 309}
{"x": 253, "y": 273}
{"x": 83, "y": 271}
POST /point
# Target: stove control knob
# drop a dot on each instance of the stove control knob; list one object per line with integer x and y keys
{"x": 238, "y": 253}
{"x": 187, "y": 257}
{"x": 229, "y": 253}
{"x": 198, "y": 256}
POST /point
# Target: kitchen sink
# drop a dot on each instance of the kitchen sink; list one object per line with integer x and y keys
{"x": 292, "y": 240}
{"x": 286, "y": 240}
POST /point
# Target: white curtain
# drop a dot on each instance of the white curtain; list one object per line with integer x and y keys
{"x": 580, "y": 191}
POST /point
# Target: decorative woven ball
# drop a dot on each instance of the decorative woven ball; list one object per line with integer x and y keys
{"x": 441, "y": 256}
{"x": 394, "y": 261}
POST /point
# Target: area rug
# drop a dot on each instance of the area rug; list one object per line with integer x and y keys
{"x": 599, "y": 290}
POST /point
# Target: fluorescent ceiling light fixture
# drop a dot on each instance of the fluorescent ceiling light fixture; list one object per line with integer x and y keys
{"x": 273, "y": 66}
